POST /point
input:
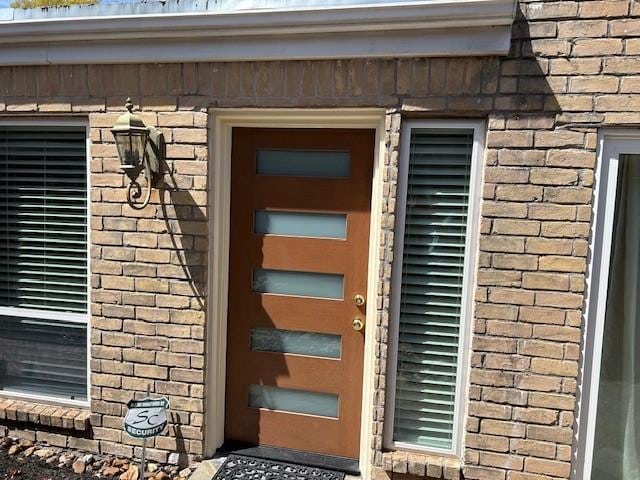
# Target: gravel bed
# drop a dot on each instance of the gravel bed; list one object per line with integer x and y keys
{"x": 22, "y": 459}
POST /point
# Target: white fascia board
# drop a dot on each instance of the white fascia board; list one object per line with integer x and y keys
{"x": 436, "y": 27}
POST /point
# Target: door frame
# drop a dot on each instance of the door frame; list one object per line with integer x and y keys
{"x": 610, "y": 142}
{"x": 221, "y": 123}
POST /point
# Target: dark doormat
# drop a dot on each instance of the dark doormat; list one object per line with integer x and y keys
{"x": 240, "y": 467}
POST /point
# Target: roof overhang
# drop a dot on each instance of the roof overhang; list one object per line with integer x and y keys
{"x": 403, "y": 29}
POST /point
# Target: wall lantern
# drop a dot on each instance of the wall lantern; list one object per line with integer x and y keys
{"x": 141, "y": 149}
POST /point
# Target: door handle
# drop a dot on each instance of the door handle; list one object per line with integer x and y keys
{"x": 357, "y": 324}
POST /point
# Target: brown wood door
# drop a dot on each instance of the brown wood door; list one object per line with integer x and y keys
{"x": 300, "y": 210}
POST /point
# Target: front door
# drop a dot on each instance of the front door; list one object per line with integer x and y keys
{"x": 300, "y": 210}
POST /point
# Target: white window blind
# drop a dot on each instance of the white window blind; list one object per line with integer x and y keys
{"x": 429, "y": 305}
{"x": 43, "y": 260}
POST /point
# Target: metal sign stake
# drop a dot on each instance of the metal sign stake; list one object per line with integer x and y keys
{"x": 144, "y": 443}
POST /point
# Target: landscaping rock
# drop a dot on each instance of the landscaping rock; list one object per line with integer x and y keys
{"x": 130, "y": 474}
{"x": 29, "y": 451}
{"x": 43, "y": 453}
{"x": 79, "y": 466}
{"x": 24, "y": 443}
{"x": 111, "y": 471}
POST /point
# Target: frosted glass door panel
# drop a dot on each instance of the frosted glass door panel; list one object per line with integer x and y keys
{"x": 296, "y": 401}
{"x": 301, "y": 224}
{"x": 302, "y": 163}
{"x": 300, "y": 343}
{"x": 301, "y": 284}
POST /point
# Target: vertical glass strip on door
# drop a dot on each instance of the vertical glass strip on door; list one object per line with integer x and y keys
{"x": 43, "y": 260}
{"x": 431, "y": 286}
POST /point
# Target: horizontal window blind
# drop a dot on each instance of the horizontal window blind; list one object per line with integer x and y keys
{"x": 430, "y": 305}
{"x": 43, "y": 261}
{"x": 43, "y": 218}
{"x": 43, "y": 357}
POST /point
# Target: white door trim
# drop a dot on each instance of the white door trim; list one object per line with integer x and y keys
{"x": 221, "y": 124}
{"x": 611, "y": 143}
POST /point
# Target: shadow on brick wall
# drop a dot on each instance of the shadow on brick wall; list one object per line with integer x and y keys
{"x": 187, "y": 228}
{"x": 526, "y": 84}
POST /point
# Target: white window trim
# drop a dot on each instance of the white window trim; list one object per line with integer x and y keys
{"x": 469, "y": 275}
{"x": 611, "y": 143}
{"x": 42, "y": 314}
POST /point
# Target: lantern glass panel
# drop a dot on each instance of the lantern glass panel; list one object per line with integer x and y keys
{"x": 131, "y": 146}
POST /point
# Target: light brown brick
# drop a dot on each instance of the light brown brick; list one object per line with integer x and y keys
{"x": 532, "y": 448}
{"x": 511, "y": 296}
{"x": 623, "y": 65}
{"x": 510, "y": 139}
{"x": 518, "y": 193}
{"x": 545, "y": 281}
{"x": 509, "y": 462}
{"x": 550, "y": 434}
{"x": 540, "y": 348}
{"x": 504, "y": 209}
{"x": 554, "y": 176}
{"x": 597, "y": 47}
{"x": 547, "y": 467}
{"x": 561, "y": 368}
{"x": 502, "y": 428}
{"x": 552, "y": 400}
{"x": 606, "y": 8}
{"x": 557, "y": 263}
{"x": 516, "y": 227}
{"x": 516, "y": 262}
{"x": 582, "y": 28}
{"x": 579, "y": 66}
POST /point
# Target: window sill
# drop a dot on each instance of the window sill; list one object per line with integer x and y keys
{"x": 68, "y": 418}
{"x": 419, "y": 464}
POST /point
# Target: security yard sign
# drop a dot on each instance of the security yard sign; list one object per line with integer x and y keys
{"x": 147, "y": 417}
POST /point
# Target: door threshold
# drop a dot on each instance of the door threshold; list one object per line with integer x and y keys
{"x": 329, "y": 462}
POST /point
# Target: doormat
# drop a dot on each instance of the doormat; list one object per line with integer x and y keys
{"x": 240, "y": 467}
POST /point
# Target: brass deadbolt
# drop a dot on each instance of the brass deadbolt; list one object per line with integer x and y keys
{"x": 357, "y": 324}
{"x": 358, "y": 299}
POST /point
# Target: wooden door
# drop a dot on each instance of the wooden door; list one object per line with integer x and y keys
{"x": 300, "y": 211}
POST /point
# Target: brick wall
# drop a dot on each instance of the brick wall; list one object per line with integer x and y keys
{"x": 574, "y": 67}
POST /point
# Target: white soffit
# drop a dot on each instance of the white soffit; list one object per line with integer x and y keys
{"x": 372, "y": 30}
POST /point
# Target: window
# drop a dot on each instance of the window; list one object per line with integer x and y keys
{"x": 432, "y": 289}
{"x": 43, "y": 261}
{"x": 609, "y": 409}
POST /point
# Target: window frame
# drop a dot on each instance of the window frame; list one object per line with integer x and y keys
{"x": 469, "y": 276}
{"x": 83, "y": 318}
{"x": 611, "y": 144}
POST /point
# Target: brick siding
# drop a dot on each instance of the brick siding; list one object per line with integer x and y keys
{"x": 574, "y": 67}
